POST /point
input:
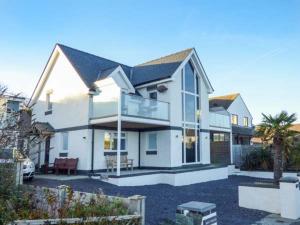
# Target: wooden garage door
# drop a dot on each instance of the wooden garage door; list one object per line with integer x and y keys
{"x": 220, "y": 150}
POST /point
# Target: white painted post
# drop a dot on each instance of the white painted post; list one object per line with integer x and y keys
{"x": 119, "y": 135}
{"x": 289, "y": 197}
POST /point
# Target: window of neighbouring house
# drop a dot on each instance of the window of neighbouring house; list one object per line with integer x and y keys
{"x": 220, "y": 137}
{"x": 12, "y": 106}
{"x": 246, "y": 122}
{"x": 111, "y": 141}
{"x": 48, "y": 101}
{"x": 234, "y": 119}
{"x": 65, "y": 140}
{"x": 152, "y": 141}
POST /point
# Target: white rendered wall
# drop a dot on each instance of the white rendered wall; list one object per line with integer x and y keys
{"x": 238, "y": 107}
{"x": 163, "y": 158}
{"x": 69, "y": 97}
{"x": 131, "y": 147}
{"x": 179, "y": 179}
{"x": 266, "y": 199}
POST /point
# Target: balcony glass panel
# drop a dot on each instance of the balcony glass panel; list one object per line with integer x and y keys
{"x": 136, "y": 106}
{"x": 131, "y": 105}
{"x": 219, "y": 120}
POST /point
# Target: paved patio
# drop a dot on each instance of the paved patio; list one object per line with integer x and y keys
{"x": 162, "y": 199}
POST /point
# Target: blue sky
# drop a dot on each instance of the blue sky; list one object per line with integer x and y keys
{"x": 251, "y": 47}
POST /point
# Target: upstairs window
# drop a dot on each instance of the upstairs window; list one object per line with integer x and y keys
{"x": 246, "y": 122}
{"x": 153, "y": 95}
{"x": 48, "y": 101}
{"x": 234, "y": 119}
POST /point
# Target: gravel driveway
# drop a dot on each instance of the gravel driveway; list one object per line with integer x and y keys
{"x": 162, "y": 199}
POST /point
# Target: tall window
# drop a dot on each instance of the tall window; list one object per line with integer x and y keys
{"x": 234, "y": 119}
{"x": 65, "y": 140}
{"x": 246, "y": 122}
{"x": 48, "y": 100}
{"x": 111, "y": 141}
{"x": 190, "y": 89}
{"x": 152, "y": 141}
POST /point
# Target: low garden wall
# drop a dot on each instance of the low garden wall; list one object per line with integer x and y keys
{"x": 283, "y": 199}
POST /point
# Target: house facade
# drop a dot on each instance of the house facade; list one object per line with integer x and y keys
{"x": 156, "y": 113}
{"x": 241, "y": 118}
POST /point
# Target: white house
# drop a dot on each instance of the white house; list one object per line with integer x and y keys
{"x": 241, "y": 118}
{"x": 156, "y": 113}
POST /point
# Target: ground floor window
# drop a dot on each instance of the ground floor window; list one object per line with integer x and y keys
{"x": 111, "y": 141}
{"x": 191, "y": 144}
{"x": 152, "y": 141}
{"x": 65, "y": 140}
{"x": 219, "y": 137}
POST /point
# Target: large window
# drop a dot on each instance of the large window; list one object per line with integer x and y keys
{"x": 190, "y": 114}
{"x": 111, "y": 141}
{"x": 234, "y": 119}
{"x": 220, "y": 137}
{"x": 65, "y": 140}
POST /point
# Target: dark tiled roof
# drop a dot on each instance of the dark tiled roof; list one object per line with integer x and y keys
{"x": 92, "y": 68}
{"x": 222, "y": 101}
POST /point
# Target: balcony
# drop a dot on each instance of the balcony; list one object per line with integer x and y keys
{"x": 132, "y": 107}
{"x": 219, "y": 120}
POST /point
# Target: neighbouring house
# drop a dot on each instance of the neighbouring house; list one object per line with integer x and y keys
{"x": 156, "y": 113}
{"x": 241, "y": 118}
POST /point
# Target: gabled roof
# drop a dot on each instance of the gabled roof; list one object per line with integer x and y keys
{"x": 222, "y": 101}
{"x": 90, "y": 67}
{"x": 158, "y": 69}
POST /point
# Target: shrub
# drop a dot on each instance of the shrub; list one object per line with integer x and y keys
{"x": 259, "y": 159}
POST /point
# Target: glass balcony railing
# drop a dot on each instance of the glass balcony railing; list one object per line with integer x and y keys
{"x": 219, "y": 120}
{"x": 131, "y": 105}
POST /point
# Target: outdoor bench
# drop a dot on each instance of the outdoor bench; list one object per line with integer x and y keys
{"x": 111, "y": 162}
{"x": 68, "y": 164}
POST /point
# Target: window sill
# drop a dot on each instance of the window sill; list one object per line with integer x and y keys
{"x": 113, "y": 152}
{"x": 48, "y": 112}
{"x": 63, "y": 154}
{"x": 151, "y": 152}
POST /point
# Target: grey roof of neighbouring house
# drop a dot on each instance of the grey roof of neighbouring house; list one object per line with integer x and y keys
{"x": 92, "y": 68}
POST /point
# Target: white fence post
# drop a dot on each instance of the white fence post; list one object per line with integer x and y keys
{"x": 290, "y": 197}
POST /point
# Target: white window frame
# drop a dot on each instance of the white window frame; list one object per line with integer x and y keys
{"x": 114, "y": 134}
{"x": 63, "y": 140}
{"x": 148, "y": 141}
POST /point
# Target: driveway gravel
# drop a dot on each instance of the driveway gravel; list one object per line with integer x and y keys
{"x": 162, "y": 199}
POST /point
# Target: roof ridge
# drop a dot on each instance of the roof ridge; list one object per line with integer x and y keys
{"x": 58, "y": 44}
{"x": 166, "y": 56}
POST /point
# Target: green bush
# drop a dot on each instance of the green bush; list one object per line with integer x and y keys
{"x": 259, "y": 159}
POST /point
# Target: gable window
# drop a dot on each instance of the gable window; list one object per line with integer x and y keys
{"x": 48, "y": 101}
{"x": 153, "y": 95}
{"x": 65, "y": 140}
{"x": 152, "y": 141}
{"x": 234, "y": 119}
{"x": 190, "y": 90}
{"x": 111, "y": 141}
{"x": 246, "y": 122}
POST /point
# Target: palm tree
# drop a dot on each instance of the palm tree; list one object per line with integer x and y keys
{"x": 277, "y": 129}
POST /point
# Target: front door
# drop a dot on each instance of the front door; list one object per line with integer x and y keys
{"x": 47, "y": 149}
{"x": 190, "y": 146}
